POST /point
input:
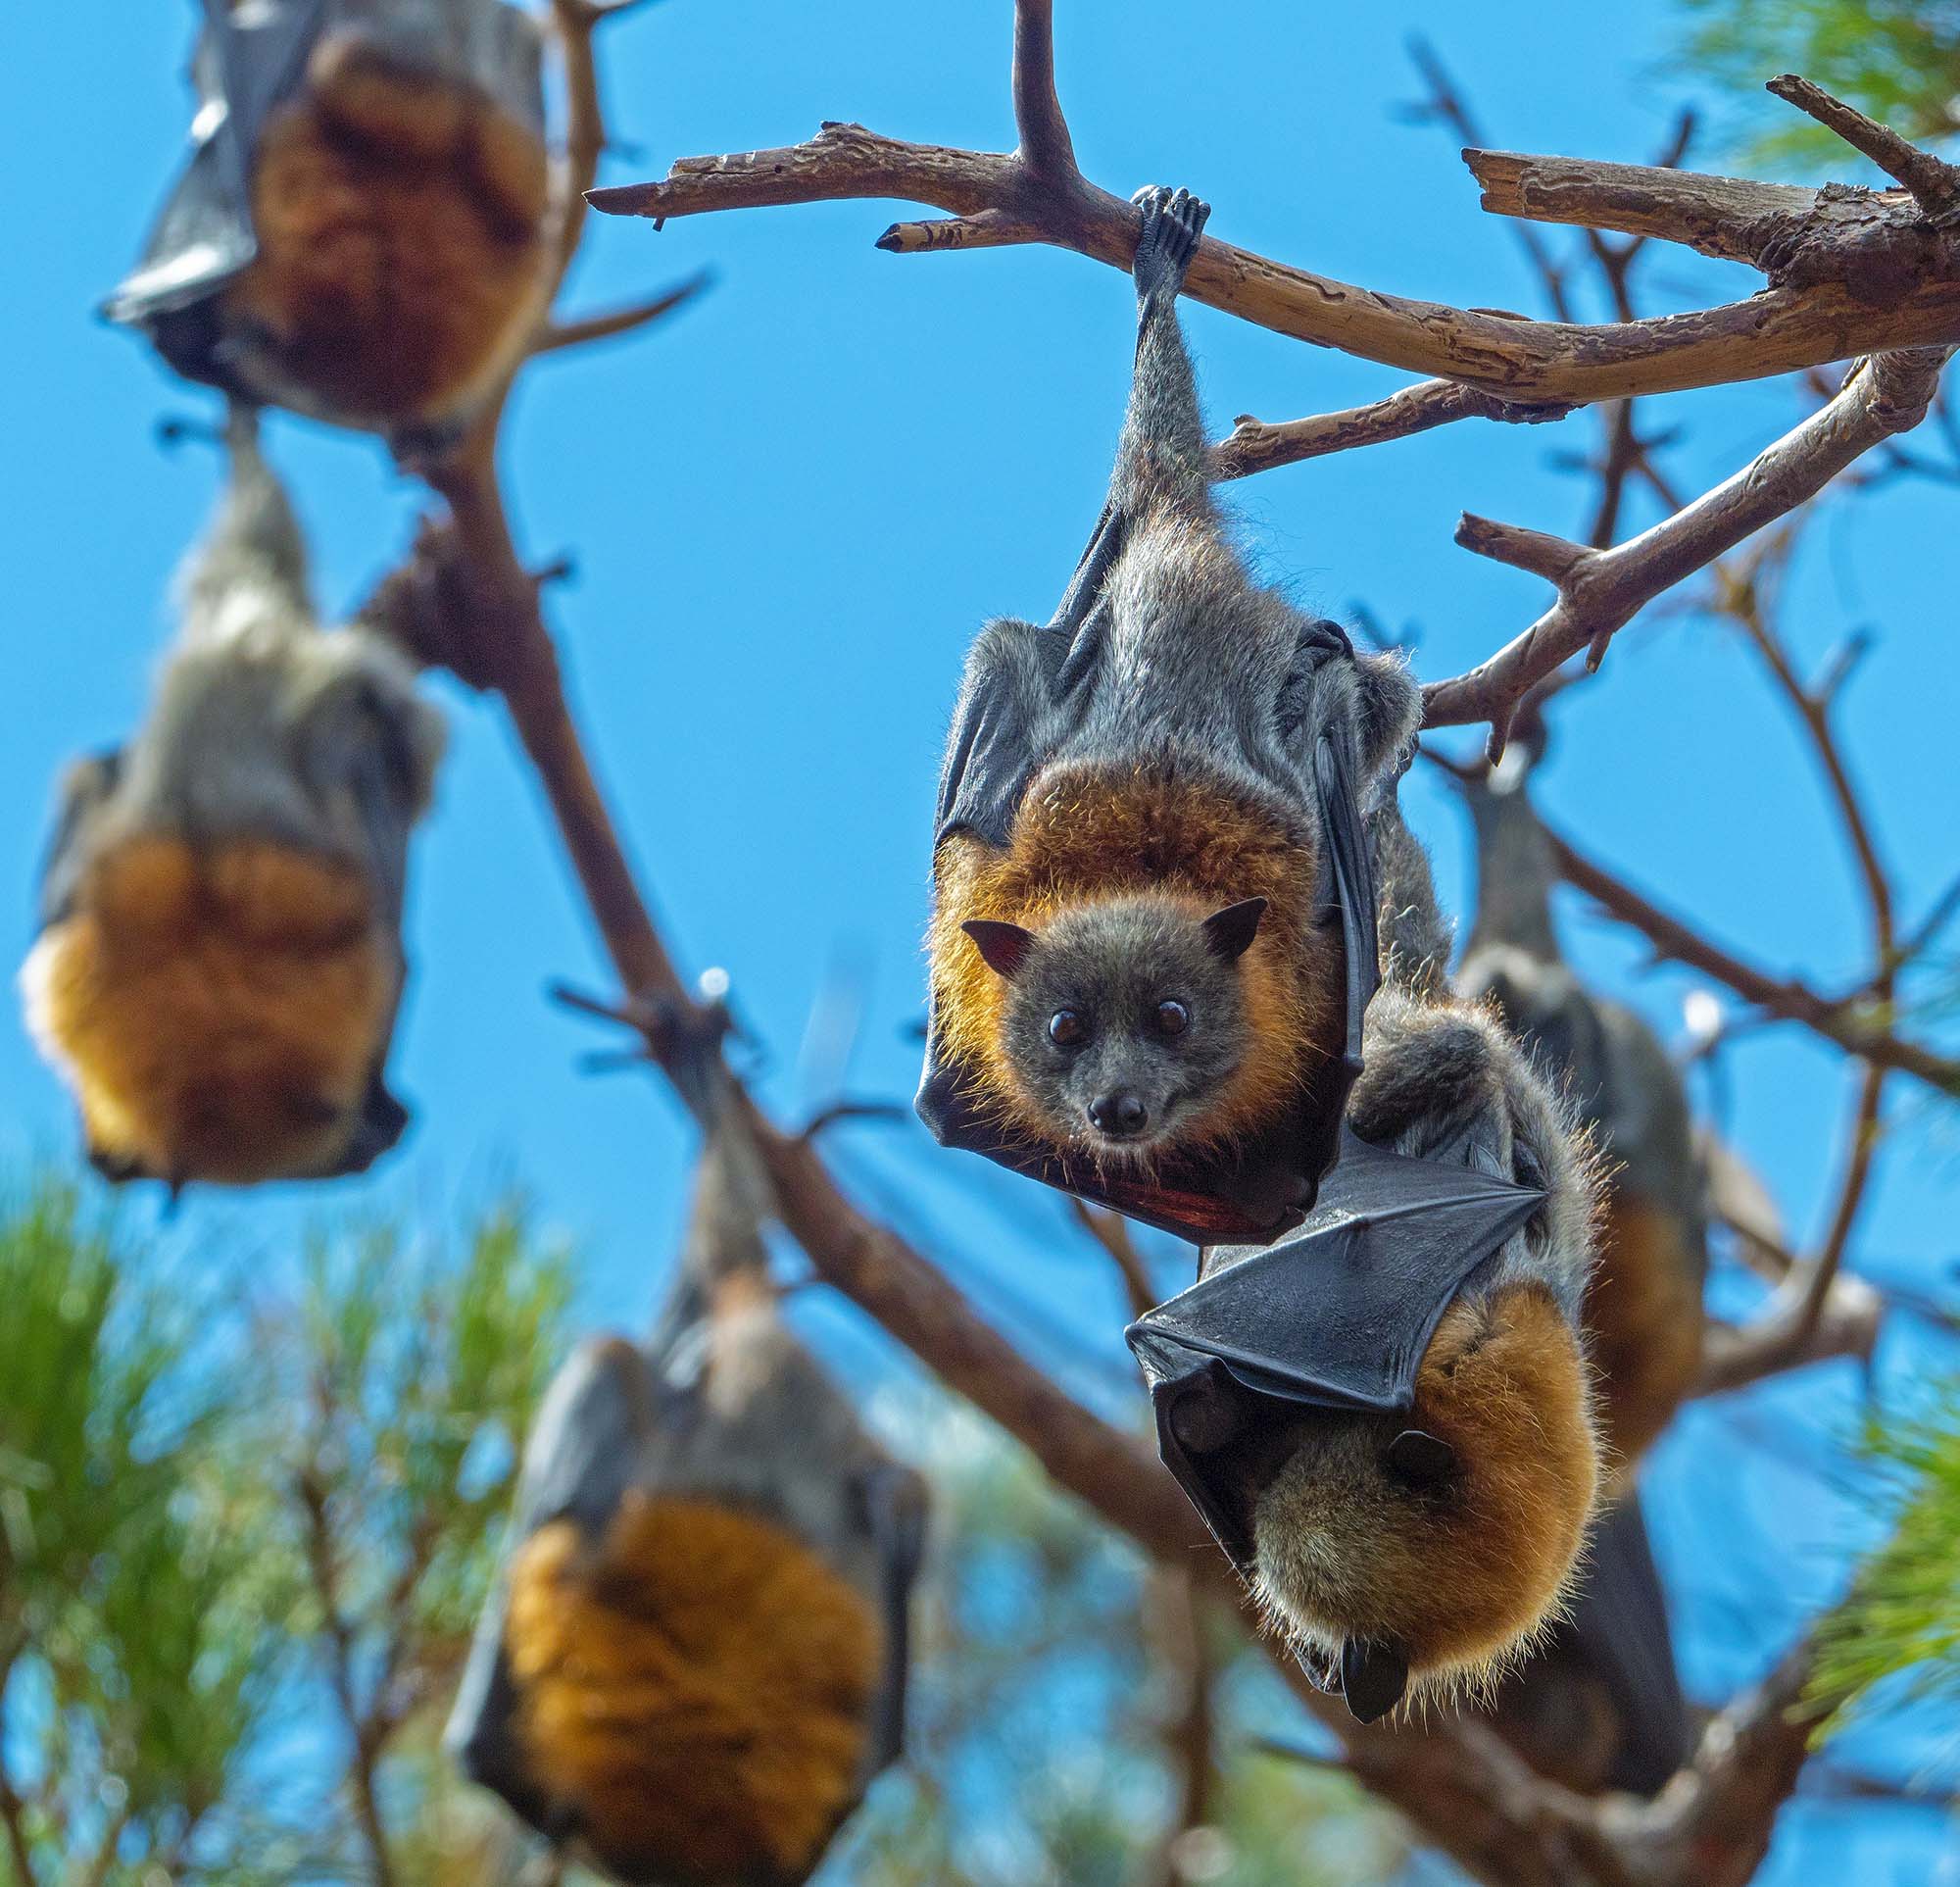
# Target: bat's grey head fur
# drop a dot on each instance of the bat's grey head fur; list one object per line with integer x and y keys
{"x": 1124, "y": 1019}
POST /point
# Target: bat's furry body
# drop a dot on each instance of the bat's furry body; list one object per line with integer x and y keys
{"x": 363, "y": 233}
{"x": 220, "y": 961}
{"x": 1451, "y": 1577}
{"x": 1181, "y": 781}
{"x": 698, "y": 1660}
{"x": 1189, "y": 775}
{"x": 1642, "y": 1309}
{"x": 698, "y": 1682}
{"x": 400, "y": 221}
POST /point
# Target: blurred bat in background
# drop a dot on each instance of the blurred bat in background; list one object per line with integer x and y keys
{"x": 1643, "y": 1313}
{"x": 696, "y": 1659}
{"x": 219, "y": 961}
{"x": 1601, "y": 1704}
{"x": 358, "y": 232}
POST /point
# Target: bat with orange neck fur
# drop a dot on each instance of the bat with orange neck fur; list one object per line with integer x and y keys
{"x": 696, "y": 1659}
{"x": 359, "y": 234}
{"x": 1153, "y": 936}
{"x": 219, "y": 959}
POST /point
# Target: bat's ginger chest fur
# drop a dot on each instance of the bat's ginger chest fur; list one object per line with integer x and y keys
{"x": 696, "y": 1689}
{"x": 399, "y": 219}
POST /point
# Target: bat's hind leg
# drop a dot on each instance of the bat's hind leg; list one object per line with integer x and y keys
{"x": 1162, "y": 458}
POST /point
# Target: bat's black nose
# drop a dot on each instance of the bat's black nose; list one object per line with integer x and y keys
{"x": 1119, "y": 1115}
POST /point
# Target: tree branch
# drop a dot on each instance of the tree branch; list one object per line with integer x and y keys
{"x": 1852, "y": 1025}
{"x": 1037, "y": 195}
{"x": 1934, "y": 186}
{"x": 1816, "y": 1316}
{"x": 1712, "y": 1828}
{"x": 1046, "y": 146}
{"x": 466, "y": 599}
{"x": 1601, "y": 591}
{"x": 325, "y": 1571}
{"x": 1111, "y": 1231}
{"x": 1255, "y": 446}
{"x": 558, "y": 335}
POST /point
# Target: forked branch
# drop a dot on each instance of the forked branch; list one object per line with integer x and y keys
{"x": 1601, "y": 591}
{"x": 1037, "y": 195}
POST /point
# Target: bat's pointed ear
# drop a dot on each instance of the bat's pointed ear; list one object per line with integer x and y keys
{"x": 1229, "y": 934}
{"x": 1373, "y": 1678}
{"x": 1004, "y": 946}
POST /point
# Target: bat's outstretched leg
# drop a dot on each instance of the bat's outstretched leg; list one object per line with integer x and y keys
{"x": 1163, "y": 457}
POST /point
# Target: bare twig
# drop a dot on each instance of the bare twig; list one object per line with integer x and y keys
{"x": 1111, "y": 1231}
{"x": 1808, "y": 1321}
{"x": 614, "y": 322}
{"x": 1601, "y": 591}
{"x": 323, "y": 1566}
{"x": 1846, "y": 1021}
{"x": 1256, "y": 446}
{"x": 1934, "y": 186}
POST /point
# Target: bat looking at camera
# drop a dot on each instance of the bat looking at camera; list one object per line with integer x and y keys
{"x": 1155, "y": 959}
{"x": 1139, "y": 985}
{"x": 1602, "y": 1705}
{"x": 219, "y": 959}
{"x": 696, "y": 1660}
{"x": 360, "y": 232}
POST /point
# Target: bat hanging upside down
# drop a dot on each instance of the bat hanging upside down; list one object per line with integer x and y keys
{"x": 1154, "y": 953}
{"x": 360, "y": 235}
{"x": 219, "y": 961}
{"x": 1602, "y": 1705}
{"x": 696, "y": 1661}
{"x": 1147, "y": 831}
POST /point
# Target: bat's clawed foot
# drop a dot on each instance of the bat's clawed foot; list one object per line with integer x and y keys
{"x": 1172, "y": 222}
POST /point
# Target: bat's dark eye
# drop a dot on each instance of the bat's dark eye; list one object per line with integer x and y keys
{"x": 1173, "y": 1018}
{"x": 1065, "y": 1028}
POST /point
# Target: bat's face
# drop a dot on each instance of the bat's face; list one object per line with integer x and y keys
{"x": 1125, "y": 1021}
{"x": 1428, "y": 1548}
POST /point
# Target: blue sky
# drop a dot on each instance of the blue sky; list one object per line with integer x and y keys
{"x": 792, "y": 506}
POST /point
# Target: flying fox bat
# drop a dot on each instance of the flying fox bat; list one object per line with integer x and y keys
{"x": 696, "y": 1659}
{"x": 359, "y": 233}
{"x": 1149, "y": 945}
{"x": 1643, "y": 1309}
{"x": 1386, "y": 1419}
{"x": 219, "y": 959}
